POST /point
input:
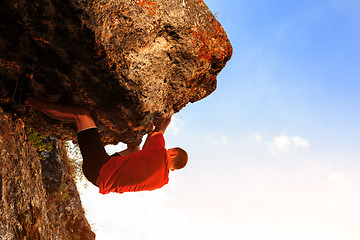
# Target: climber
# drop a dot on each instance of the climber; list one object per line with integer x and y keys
{"x": 132, "y": 169}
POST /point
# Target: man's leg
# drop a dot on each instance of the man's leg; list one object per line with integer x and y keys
{"x": 92, "y": 150}
{"x": 78, "y": 115}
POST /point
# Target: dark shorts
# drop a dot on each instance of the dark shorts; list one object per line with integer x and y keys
{"x": 93, "y": 153}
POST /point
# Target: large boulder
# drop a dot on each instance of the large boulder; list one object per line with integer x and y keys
{"x": 129, "y": 62}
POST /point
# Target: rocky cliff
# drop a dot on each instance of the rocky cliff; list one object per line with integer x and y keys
{"x": 38, "y": 196}
{"x": 128, "y": 61}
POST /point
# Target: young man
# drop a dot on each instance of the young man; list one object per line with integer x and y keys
{"x": 127, "y": 171}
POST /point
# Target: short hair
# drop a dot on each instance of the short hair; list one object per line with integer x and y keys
{"x": 181, "y": 158}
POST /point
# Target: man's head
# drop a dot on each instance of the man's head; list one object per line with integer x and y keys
{"x": 177, "y": 158}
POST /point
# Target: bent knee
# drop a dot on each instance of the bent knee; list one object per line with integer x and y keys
{"x": 82, "y": 112}
{"x": 84, "y": 120}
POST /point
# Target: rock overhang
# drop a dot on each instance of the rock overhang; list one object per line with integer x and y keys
{"x": 128, "y": 62}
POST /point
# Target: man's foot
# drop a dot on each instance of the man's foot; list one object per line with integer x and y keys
{"x": 22, "y": 89}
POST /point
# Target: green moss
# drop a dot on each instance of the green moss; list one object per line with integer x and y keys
{"x": 39, "y": 142}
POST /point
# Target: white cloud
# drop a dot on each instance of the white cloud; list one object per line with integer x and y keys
{"x": 284, "y": 143}
{"x": 222, "y": 140}
{"x": 258, "y": 138}
{"x": 176, "y": 125}
{"x": 280, "y": 143}
{"x": 300, "y": 142}
{"x": 332, "y": 174}
{"x": 337, "y": 177}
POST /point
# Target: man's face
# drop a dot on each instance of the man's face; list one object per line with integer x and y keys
{"x": 172, "y": 152}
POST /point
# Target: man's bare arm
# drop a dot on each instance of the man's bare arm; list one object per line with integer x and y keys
{"x": 162, "y": 125}
{"x": 159, "y": 128}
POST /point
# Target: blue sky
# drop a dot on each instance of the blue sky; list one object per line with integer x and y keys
{"x": 274, "y": 150}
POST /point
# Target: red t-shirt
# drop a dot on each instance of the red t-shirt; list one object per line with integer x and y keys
{"x": 143, "y": 170}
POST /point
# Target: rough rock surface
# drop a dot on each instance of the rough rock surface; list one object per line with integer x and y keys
{"x": 32, "y": 204}
{"x": 128, "y": 61}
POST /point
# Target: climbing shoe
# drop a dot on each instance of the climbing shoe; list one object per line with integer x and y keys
{"x": 22, "y": 89}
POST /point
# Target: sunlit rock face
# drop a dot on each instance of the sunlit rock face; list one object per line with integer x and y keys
{"x": 38, "y": 198}
{"x": 128, "y": 61}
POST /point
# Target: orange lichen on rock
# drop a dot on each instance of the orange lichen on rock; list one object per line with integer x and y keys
{"x": 42, "y": 42}
{"x": 151, "y": 6}
{"x": 9, "y": 66}
{"x": 209, "y": 43}
{"x": 201, "y": 2}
